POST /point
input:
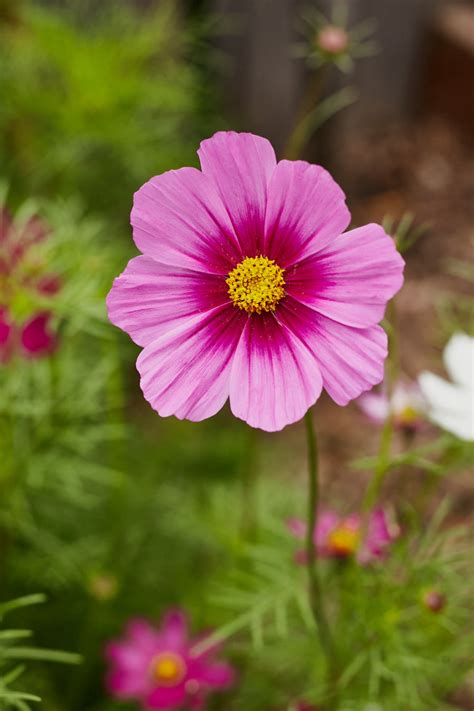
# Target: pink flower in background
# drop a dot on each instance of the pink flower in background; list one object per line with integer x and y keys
{"x": 247, "y": 289}
{"x": 406, "y": 405}
{"x": 36, "y": 337}
{"x": 158, "y": 668}
{"x": 332, "y": 39}
{"x": 339, "y": 537}
{"x": 31, "y": 338}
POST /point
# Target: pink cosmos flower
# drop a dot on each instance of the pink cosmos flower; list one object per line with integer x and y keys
{"x": 406, "y": 404}
{"x": 33, "y": 338}
{"x": 158, "y": 668}
{"x": 247, "y": 289}
{"x": 339, "y": 537}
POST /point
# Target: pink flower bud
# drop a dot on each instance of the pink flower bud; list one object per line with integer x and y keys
{"x": 333, "y": 40}
{"x": 434, "y": 601}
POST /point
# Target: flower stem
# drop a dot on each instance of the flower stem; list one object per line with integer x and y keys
{"x": 315, "y": 593}
{"x": 303, "y": 126}
{"x": 383, "y": 460}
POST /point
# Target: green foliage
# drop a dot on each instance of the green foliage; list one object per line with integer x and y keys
{"x": 61, "y": 415}
{"x": 115, "y": 513}
{"x": 13, "y": 650}
{"x": 390, "y": 646}
{"x": 123, "y": 103}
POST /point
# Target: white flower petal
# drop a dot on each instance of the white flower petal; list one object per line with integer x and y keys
{"x": 451, "y": 406}
{"x": 458, "y": 358}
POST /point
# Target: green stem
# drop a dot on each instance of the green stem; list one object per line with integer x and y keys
{"x": 384, "y": 456}
{"x": 315, "y": 593}
{"x": 303, "y": 128}
{"x": 381, "y": 468}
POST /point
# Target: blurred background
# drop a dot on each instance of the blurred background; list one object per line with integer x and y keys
{"x": 95, "y": 98}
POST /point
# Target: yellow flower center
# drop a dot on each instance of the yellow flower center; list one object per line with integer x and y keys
{"x": 343, "y": 540}
{"x": 408, "y": 415}
{"x": 168, "y": 669}
{"x": 256, "y": 285}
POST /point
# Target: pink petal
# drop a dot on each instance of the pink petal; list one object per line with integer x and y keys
{"x": 142, "y": 634}
{"x": 174, "y": 631}
{"x": 241, "y": 165}
{"x": 375, "y": 406}
{"x": 381, "y": 533}
{"x": 351, "y": 360}
{"x": 163, "y": 697}
{"x": 127, "y": 655}
{"x": 149, "y": 299}
{"x": 326, "y": 522}
{"x": 179, "y": 219}
{"x": 125, "y": 685}
{"x": 351, "y": 279}
{"x": 214, "y": 674}
{"x": 306, "y": 211}
{"x": 36, "y": 338}
{"x": 274, "y": 378}
{"x": 186, "y": 372}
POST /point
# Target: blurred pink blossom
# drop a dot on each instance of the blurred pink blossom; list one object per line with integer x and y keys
{"x": 333, "y": 39}
{"x": 159, "y": 668}
{"x": 33, "y": 337}
{"x": 339, "y": 537}
{"x": 406, "y": 405}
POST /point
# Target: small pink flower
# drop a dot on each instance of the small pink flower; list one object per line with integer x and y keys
{"x": 159, "y": 669}
{"x": 36, "y": 337}
{"x": 339, "y": 537}
{"x": 33, "y": 338}
{"x": 333, "y": 40}
{"x": 247, "y": 289}
{"x": 406, "y": 405}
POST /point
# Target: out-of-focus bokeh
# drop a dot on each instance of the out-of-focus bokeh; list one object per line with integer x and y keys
{"x": 113, "y": 513}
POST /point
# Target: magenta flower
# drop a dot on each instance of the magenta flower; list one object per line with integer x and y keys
{"x": 159, "y": 669}
{"x": 339, "y": 537}
{"x": 31, "y": 338}
{"x": 247, "y": 289}
{"x": 406, "y": 405}
{"x": 36, "y": 337}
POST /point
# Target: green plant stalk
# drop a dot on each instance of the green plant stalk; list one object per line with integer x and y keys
{"x": 315, "y": 592}
{"x": 384, "y": 455}
{"x": 303, "y": 128}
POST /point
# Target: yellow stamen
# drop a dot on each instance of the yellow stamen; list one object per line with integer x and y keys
{"x": 256, "y": 284}
{"x": 168, "y": 669}
{"x": 408, "y": 415}
{"x": 343, "y": 540}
